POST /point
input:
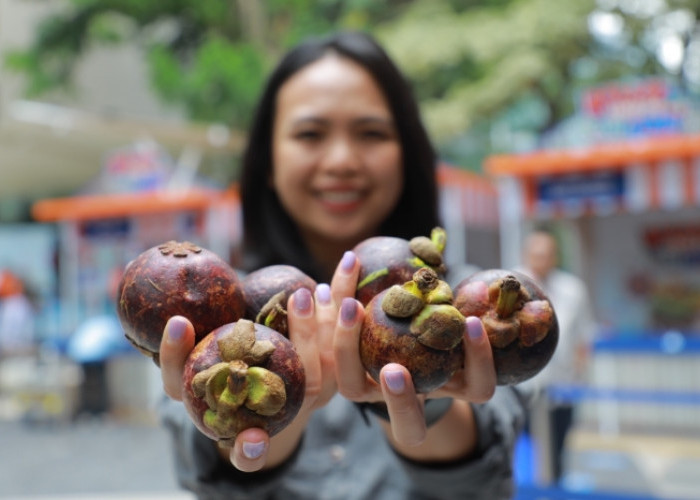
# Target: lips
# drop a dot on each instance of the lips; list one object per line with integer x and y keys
{"x": 340, "y": 199}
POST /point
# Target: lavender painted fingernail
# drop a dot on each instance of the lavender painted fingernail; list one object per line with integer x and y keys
{"x": 395, "y": 381}
{"x": 474, "y": 328}
{"x": 323, "y": 294}
{"x": 253, "y": 450}
{"x": 175, "y": 329}
{"x": 348, "y": 311}
{"x": 348, "y": 261}
{"x": 302, "y": 301}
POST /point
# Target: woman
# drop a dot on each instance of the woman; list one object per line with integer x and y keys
{"x": 337, "y": 153}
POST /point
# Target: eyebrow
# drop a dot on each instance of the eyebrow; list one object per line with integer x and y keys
{"x": 363, "y": 120}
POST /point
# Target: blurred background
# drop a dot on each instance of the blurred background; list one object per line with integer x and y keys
{"x": 121, "y": 126}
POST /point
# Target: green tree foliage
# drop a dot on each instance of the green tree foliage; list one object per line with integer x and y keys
{"x": 490, "y": 74}
{"x": 209, "y": 57}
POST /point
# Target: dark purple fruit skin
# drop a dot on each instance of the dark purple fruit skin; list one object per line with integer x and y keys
{"x": 261, "y": 285}
{"x": 284, "y": 361}
{"x": 154, "y": 287}
{"x": 385, "y": 339}
{"x": 514, "y": 363}
{"x": 381, "y": 252}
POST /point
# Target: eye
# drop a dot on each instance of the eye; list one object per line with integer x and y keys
{"x": 308, "y": 135}
{"x": 376, "y": 134}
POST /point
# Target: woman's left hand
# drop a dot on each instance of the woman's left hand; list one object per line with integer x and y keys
{"x": 476, "y": 383}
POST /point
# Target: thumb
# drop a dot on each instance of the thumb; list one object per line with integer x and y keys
{"x": 175, "y": 346}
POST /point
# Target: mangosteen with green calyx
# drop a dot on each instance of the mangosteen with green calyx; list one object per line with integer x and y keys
{"x": 415, "y": 325}
{"x": 388, "y": 260}
{"x": 518, "y": 317}
{"x": 243, "y": 375}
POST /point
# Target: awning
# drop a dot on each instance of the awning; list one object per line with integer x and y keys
{"x": 654, "y": 173}
{"x": 93, "y": 207}
{"x": 470, "y": 197}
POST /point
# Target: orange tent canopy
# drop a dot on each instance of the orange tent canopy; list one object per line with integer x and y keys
{"x": 90, "y": 207}
{"x": 600, "y": 157}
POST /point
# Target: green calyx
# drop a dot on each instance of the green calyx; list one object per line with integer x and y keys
{"x": 427, "y": 300}
{"x": 274, "y": 313}
{"x": 439, "y": 326}
{"x": 373, "y": 276}
{"x": 439, "y": 238}
{"x": 236, "y": 382}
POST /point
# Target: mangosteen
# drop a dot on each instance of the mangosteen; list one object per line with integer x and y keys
{"x": 415, "y": 325}
{"x": 388, "y": 260}
{"x": 518, "y": 317}
{"x": 243, "y": 375}
{"x": 267, "y": 291}
{"x": 176, "y": 278}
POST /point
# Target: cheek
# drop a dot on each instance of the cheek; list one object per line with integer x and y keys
{"x": 389, "y": 177}
{"x": 288, "y": 179}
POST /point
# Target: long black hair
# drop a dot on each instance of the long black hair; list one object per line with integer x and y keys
{"x": 270, "y": 235}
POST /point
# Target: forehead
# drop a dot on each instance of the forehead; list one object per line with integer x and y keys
{"x": 332, "y": 82}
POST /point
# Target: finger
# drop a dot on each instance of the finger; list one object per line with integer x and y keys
{"x": 326, "y": 315}
{"x": 406, "y": 413}
{"x": 249, "y": 452}
{"x": 175, "y": 346}
{"x": 302, "y": 333}
{"x": 350, "y": 373}
{"x": 480, "y": 372}
{"x": 344, "y": 281}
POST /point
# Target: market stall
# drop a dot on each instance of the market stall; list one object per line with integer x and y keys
{"x": 626, "y": 207}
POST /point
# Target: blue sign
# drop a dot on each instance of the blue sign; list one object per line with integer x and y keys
{"x": 581, "y": 187}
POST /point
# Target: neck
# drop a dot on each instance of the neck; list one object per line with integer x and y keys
{"x": 328, "y": 253}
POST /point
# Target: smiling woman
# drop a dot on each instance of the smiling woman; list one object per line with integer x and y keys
{"x": 337, "y": 158}
{"x": 337, "y": 152}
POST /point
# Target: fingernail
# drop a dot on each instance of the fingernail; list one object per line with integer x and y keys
{"x": 394, "y": 381}
{"x": 253, "y": 450}
{"x": 323, "y": 294}
{"x": 474, "y": 329}
{"x": 175, "y": 329}
{"x": 302, "y": 301}
{"x": 348, "y": 261}
{"x": 348, "y": 311}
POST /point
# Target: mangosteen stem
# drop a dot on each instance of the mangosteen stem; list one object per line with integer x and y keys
{"x": 426, "y": 279}
{"x": 508, "y": 296}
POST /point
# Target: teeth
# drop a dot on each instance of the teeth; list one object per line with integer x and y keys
{"x": 340, "y": 196}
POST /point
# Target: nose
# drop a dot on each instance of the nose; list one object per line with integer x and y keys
{"x": 341, "y": 156}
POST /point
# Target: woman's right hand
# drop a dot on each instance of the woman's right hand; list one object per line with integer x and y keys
{"x": 311, "y": 326}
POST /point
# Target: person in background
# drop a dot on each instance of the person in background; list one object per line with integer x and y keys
{"x": 17, "y": 336}
{"x": 569, "y": 364}
{"x": 337, "y": 153}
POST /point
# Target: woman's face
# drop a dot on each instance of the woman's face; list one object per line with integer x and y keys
{"x": 337, "y": 166}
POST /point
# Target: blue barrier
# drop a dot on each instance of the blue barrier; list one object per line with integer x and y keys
{"x": 575, "y": 393}
{"x": 527, "y": 492}
{"x": 670, "y": 342}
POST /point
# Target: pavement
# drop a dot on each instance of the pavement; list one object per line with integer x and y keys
{"x": 92, "y": 457}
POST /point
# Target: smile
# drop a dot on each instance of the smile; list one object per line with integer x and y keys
{"x": 340, "y": 201}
